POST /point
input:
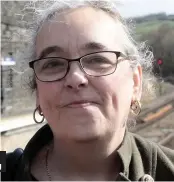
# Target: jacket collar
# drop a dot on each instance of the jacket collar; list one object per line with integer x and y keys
{"x": 42, "y": 137}
{"x": 125, "y": 153}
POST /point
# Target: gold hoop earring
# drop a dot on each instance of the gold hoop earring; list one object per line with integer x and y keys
{"x": 136, "y": 107}
{"x": 40, "y": 113}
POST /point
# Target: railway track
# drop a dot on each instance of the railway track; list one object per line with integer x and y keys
{"x": 157, "y": 124}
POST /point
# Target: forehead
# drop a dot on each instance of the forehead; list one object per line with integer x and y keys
{"x": 72, "y": 30}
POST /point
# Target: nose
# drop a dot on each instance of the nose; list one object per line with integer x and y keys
{"x": 75, "y": 79}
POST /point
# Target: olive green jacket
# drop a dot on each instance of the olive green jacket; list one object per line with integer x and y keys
{"x": 142, "y": 160}
{"x": 141, "y": 157}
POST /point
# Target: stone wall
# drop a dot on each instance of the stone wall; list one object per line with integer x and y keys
{"x": 15, "y": 99}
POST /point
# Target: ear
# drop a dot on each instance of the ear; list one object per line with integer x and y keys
{"x": 137, "y": 79}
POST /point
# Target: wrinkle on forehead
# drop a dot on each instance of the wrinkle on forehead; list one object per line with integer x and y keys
{"x": 71, "y": 30}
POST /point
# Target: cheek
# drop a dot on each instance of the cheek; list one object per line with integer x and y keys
{"x": 48, "y": 94}
{"x": 123, "y": 89}
{"x": 116, "y": 89}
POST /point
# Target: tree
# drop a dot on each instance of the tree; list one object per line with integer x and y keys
{"x": 162, "y": 44}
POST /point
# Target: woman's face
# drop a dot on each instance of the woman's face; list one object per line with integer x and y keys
{"x": 82, "y": 107}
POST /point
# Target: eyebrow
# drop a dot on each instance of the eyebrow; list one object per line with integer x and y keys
{"x": 57, "y": 49}
{"x": 94, "y": 46}
{"x": 50, "y": 50}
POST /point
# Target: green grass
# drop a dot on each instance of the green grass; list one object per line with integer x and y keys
{"x": 151, "y": 25}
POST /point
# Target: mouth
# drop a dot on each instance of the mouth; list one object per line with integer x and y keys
{"x": 80, "y": 104}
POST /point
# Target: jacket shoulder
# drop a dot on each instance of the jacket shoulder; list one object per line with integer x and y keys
{"x": 160, "y": 157}
{"x": 150, "y": 145}
{"x": 12, "y": 164}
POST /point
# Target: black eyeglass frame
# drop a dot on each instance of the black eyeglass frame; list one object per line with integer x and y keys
{"x": 117, "y": 53}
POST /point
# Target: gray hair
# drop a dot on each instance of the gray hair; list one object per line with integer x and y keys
{"x": 138, "y": 53}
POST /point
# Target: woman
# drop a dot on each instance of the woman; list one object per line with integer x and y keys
{"x": 88, "y": 82}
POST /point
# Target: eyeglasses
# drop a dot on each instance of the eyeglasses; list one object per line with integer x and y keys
{"x": 96, "y": 64}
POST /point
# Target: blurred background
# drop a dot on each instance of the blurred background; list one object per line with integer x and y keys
{"x": 154, "y": 23}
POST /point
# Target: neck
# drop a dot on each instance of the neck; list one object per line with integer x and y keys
{"x": 88, "y": 158}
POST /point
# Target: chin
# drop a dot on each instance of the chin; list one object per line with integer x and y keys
{"x": 86, "y": 139}
{"x": 81, "y": 129}
{"x": 85, "y": 135}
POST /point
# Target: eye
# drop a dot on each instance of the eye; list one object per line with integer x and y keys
{"x": 51, "y": 64}
{"x": 54, "y": 63}
{"x": 97, "y": 60}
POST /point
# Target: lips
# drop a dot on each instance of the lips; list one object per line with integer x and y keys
{"x": 80, "y": 103}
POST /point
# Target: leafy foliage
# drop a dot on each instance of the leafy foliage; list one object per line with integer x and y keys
{"x": 158, "y": 31}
